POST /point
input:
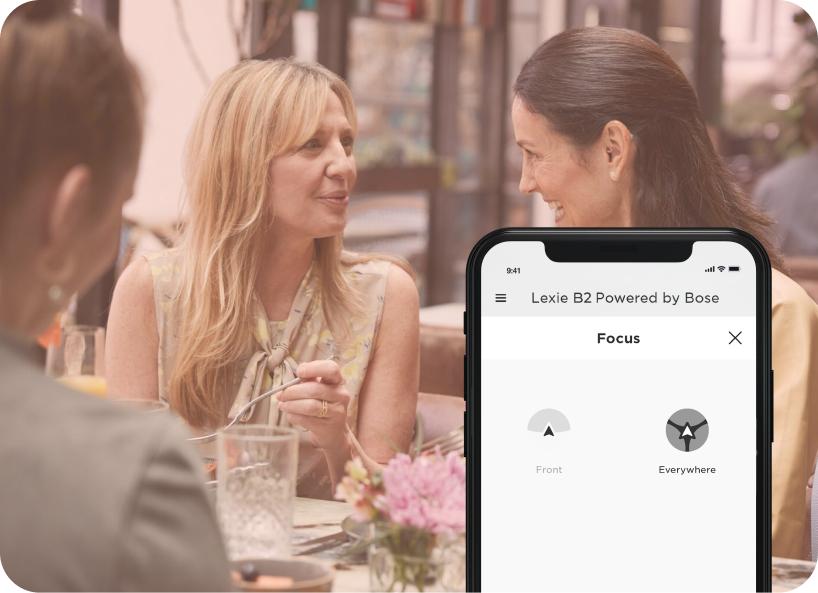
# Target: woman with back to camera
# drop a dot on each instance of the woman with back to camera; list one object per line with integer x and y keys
{"x": 612, "y": 136}
{"x": 260, "y": 290}
{"x": 93, "y": 496}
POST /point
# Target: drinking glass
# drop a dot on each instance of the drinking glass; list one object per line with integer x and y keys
{"x": 78, "y": 360}
{"x": 256, "y": 473}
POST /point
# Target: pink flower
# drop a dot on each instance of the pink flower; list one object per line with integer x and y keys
{"x": 358, "y": 489}
{"x": 428, "y": 493}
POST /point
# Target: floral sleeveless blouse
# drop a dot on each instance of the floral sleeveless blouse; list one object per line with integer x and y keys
{"x": 280, "y": 346}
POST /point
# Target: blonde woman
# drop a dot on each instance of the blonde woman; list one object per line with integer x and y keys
{"x": 259, "y": 290}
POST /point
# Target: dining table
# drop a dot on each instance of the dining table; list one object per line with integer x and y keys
{"x": 316, "y": 519}
{"x": 317, "y": 534}
{"x": 789, "y": 573}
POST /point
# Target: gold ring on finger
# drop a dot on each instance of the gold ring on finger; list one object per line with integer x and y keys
{"x": 324, "y": 409}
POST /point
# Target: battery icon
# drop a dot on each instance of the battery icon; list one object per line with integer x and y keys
{"x": 733, "y": 268}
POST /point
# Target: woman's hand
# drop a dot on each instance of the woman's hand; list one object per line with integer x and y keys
{"x": 318, "y": 404}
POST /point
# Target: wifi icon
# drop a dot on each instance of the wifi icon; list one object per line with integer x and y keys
{"x": 722, "y": 268}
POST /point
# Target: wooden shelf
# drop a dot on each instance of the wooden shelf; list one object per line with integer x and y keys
{"x": 397, "y": 179}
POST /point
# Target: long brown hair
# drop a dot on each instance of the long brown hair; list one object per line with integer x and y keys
{"x": 254, "y": 112}
{"x": 582, "y": 79}
{"x": 69, "y": 95}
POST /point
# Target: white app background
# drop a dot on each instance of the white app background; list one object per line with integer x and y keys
{"x": 589, "y": 508}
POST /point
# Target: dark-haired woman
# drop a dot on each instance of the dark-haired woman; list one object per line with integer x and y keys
{"x": 93, "y": 497}
{"x": 612, "y": 135}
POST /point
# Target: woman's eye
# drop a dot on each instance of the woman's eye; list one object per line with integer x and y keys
{"x": 348, "y": 143}
{"x": 311, "y": 144}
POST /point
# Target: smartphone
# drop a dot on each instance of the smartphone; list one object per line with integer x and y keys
{"x": 619, "y": 411}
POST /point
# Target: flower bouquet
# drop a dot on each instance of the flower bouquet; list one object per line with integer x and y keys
{"x": 417, "y": 508}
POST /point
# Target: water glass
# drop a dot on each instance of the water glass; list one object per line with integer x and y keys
{"x": 78, "y": 360}
{"x": 256, "y": 473}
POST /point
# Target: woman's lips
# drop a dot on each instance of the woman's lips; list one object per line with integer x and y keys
{"x": 337, "y": 200}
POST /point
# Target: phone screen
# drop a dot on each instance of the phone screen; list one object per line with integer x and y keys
{"x": 617, "y": 421}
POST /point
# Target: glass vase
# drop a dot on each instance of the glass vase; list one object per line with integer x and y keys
{"x": 408, "y": 559}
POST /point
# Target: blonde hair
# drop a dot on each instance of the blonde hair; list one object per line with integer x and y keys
{"x": 254, "y": 112}
{"x": 70, "y": 96}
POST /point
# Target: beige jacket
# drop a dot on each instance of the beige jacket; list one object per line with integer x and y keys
{"x": 795, "y": 412}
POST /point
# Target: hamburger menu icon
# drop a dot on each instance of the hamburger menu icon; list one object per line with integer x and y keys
{"x": 548, "y": 422}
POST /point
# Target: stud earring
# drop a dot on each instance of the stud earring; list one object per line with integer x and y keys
{"x": 614, "y": 176}
{"x": 55, "y": 293}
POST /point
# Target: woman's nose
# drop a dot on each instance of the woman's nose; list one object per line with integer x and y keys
{"x": 341, "y": 164}
{"x": 527, "y": 185}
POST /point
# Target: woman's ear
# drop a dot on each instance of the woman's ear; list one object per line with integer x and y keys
{"x": 617, "y": 141}
{"x": 70, "y": 201}
{"x": 66, "y": 213}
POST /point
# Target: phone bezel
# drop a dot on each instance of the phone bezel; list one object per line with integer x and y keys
{"x": 641, "y": 238}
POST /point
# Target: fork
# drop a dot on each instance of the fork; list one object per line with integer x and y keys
{"x": 212, "y": 436}
{"x": 451, "y": 441}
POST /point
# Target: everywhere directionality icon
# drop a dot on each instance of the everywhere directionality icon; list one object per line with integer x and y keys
{"x": 687, "y": 430}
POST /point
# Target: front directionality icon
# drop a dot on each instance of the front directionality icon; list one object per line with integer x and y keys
{"x": 549, "y": 422}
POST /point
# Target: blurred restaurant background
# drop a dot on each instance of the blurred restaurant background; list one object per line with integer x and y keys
{"x": 438, "y": 166}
